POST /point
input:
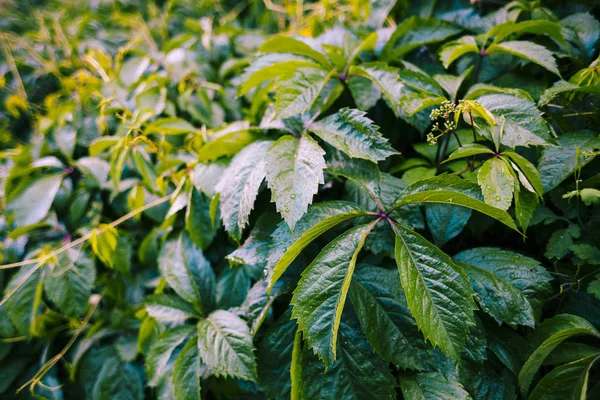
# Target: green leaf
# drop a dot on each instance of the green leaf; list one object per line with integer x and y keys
{"x": 294, "y": 169}
{"x": 529, "y": 51}
{"x": 557, "y": 163}
{"x": 239, "y": 186}
{"x": 286, "y": 44}
{"x": 299, "y": 93}
{"x": 144, "y": 166}
{"x": 167, "y": 308}
{"x": 415, "y": 32}
{"x": 187, "y": 372}
{"x": 561, "y": 241}
{"x": 274, "y": 357}
{"x": 271, "y": 68}
{"x": 520, "y": 122}
{"x": 358, "y": 373}
{"x": 384, "y": 316}
{"x": 569, "y": 381}
{"x": 450, "y": 189}
{"x": 528, "y": 170}
{"x": 364, "y": 92}
{"x": 491, "y": 269}
{"x": 550, "y": 334}
{"x": 132, "y": 69}
{"x": 437, "y": 291}
{"x": 23, "y": 296}
{"x": 30, "y": 203}
{"x": 350, "y": 131}
{"x": 497, "y": 183}
{"x": 162, "y": 349}
{"x": 387, "y": 80}
{"x": 321, "y": 293}
{"x": 359, "y": 172}
{"x": 198, "y": 222}
{"x": 587, "y": 29}
{"x": 225, "y": 345}
{"x": 228, "y": 141}
{"x": 117, "y": 381}
{"x": 446, "y": 221}
{"x": 468, "y": 150}
{"x": 454, "y": 50}
{"x": 562, "y": 87}
{"x": 170, "y": 126}
{"x": 431, "y": 386}
{"x": 538, "y": 27}
{"x": 319, "y": 219}
{"x": 188, "y": 273}
{"x": 69, "y": 282}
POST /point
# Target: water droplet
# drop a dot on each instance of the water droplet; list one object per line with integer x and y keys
{"x": 236, "y": 370}
{"x": 293, "y": 196}
{"x": 497, "y": 198}
{"x": 450, "y": 200}
{"x": 512, "y": 275}
{"x": 489, "y": 187}
{"x": 287, "y": 210}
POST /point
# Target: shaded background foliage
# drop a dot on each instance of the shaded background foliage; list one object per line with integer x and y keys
{"x": 137, "y": 262}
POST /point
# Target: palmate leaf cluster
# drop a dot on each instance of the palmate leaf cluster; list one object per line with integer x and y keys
{"x": 306, "y": 200}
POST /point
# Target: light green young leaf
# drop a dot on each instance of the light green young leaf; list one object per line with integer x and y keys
{"x": 437, "y": 291}
{"x": 350, "y": 131}
{"x": 320, "y": 296}
{"x": 529, "y": 51}
{"x": 497, "y": 183}
{"x": 188, "y": 272}
{"x": 225, "y": 345}
{"x": 239, "y": 186}
{"x": 294, "y": 169}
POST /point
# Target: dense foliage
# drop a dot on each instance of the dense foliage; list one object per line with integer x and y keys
{"x": 306, "y": 200}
